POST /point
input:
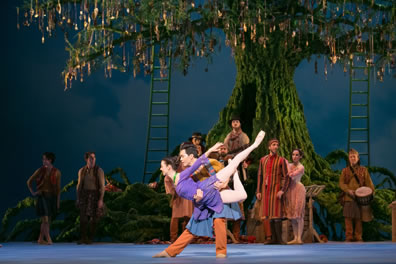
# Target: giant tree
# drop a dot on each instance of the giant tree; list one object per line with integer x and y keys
{"x": 268, "y": 39}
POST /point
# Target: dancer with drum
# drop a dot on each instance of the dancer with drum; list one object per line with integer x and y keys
{"x": 352, "y": 178}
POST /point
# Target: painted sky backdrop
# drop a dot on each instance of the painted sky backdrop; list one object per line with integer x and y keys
{"x": 110, "y": 116}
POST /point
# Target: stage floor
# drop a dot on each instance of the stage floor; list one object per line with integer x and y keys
{"x": 111, "y": 253}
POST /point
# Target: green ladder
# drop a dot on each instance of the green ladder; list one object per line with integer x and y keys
{"x": 359, "y": 107}
{"x": 157, "y": 141}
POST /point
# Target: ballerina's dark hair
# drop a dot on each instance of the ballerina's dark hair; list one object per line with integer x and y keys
{"x": 173, "y": 161}
{"x": 299, "y": 152}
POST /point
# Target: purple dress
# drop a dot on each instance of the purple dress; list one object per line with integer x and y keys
{"x": 187, "y": 188}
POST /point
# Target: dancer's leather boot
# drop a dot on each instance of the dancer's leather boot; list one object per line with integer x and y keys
{"x": 278, "y": 232}
{"x": 273, "y": 240}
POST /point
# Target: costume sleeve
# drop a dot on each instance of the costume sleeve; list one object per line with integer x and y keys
{"x": 101, "y": 183}
{"x": 186, "y": 187}
{"x": 202, "y": 160}
{"x": 245, "y": 139}
{"x": 58, "y": 182}
{"x": 342, "y": 184}
{"x": 259, "y": 177}
{"x": 227, "y": 139}
{"x": 368, "y": 182}
{"x": 284, "y": 174}
{"x": 169, "y": 185}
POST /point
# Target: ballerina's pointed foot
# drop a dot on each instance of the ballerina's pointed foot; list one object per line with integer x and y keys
{"x": 259, "y": 138}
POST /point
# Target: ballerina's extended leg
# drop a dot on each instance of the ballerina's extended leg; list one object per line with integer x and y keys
{"x": 237, "y": 195}
{"x": 226, "y": 173}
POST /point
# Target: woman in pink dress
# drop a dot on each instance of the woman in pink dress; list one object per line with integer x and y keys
{"x": 295, "y": 197}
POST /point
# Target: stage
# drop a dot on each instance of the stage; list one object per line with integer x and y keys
{"x": 112, "y": 253}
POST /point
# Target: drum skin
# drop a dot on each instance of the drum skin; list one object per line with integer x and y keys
{"x": 364, "y": 195}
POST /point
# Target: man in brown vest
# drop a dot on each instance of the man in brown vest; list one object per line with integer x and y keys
{"x": 236, "y": 140}
{"x": 234, "y": 143}
{"x": 90, "y": 192}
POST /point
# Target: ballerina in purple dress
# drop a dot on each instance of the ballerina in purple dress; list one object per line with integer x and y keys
{"x": 207, "y": 199}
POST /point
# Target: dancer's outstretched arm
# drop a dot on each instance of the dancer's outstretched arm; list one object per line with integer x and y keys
{"x": 202, "y": 160}
{"x": 226, "y": 173}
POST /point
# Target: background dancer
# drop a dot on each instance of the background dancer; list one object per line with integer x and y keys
{"x": 352, "y": 177}
{"x": 272, "y": 183}
{"x": 90, "y": 192}
{"x": 295, "y": 197}
{"x": 181, "y": 208}
{"x": 48, "y": 194}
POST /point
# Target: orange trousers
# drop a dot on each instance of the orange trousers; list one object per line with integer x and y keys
{"x": 174, "y": 227}
{"x": 186, "y": 237}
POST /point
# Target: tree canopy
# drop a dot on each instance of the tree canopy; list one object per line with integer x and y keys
{"x": 118, "y": 34}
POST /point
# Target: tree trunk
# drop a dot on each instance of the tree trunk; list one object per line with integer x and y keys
{"x": 265, "y": 97}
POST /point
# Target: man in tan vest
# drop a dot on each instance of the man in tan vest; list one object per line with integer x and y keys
{"x": 90, "y": 192}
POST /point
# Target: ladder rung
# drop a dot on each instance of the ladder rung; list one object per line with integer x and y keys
{"x": 359, "y": 92}
{"x": 160, "y": 91}
{"x": 158, "y": 138}
{"x": 159, "y": 114}
{"x": 359, "y": 129}
{"x": 359, "y": 67}
{"x": 158, "y": 150}
{"x": 359, "y": 117}
{"x": 359, "y": 104}
{"x": 363, "y": 154}
{"x": 153, "y": 161}
{"x": 156, "y": 56}
{"x": 360, "y": 80}
{"x": 358, "y": 141}
{"x": 158, "y": 126}
{"x": 160, "y": 103}
{"x": 160, "y": 79}
{"x": 149, "y": 172}
{"x": 159, "y": 67}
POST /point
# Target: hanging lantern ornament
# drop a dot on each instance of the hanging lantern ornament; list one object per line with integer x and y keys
{"x": 18, "y": 27}
{"x": 325, "y": 68}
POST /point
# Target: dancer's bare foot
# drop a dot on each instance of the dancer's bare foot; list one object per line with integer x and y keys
{"x": 221, "y": 256}
{"x": 162, "y": 254}
{"x": 259, "y": 138}
{"x": 42, "y": 242}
